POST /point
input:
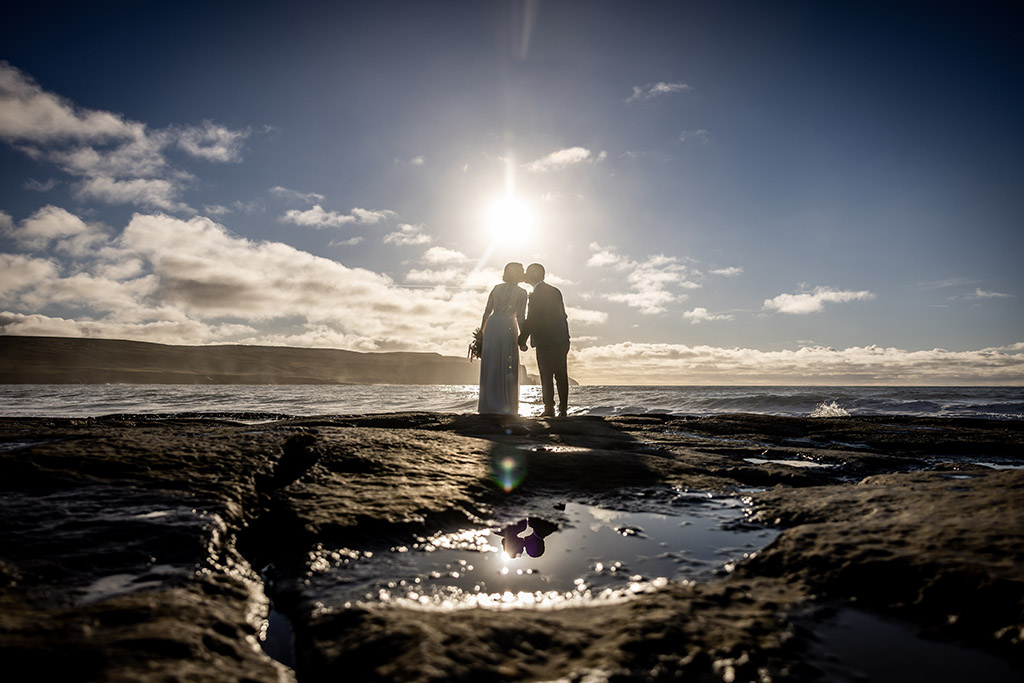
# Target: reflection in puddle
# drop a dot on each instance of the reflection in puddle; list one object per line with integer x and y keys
{"x": 588, "y": 554}
{"x": 790, "y": 463}
{"x": 526, "y": 536}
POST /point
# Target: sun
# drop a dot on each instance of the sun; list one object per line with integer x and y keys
{"x": 510, "y": 220}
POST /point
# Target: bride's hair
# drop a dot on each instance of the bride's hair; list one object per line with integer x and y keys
{"x": 513, "y": 272}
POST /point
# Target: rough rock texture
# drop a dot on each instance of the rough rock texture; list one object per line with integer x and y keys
{"x": 146, "y": 548}
{"x": 944, "y": 552}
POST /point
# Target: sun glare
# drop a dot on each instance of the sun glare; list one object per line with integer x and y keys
{"x": 510, "y": 221}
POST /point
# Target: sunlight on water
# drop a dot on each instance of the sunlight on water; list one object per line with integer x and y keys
{"x": 564, "y": 557}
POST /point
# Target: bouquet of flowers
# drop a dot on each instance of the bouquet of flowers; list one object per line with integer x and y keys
{"x": 476, "y": 347}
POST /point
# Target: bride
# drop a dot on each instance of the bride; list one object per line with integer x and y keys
{"x": 499, "y": 364}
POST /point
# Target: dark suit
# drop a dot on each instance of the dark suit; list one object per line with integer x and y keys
{"x": 548, "y": 330}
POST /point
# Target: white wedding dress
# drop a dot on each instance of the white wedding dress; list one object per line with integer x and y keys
{"x": 504, "y": 316}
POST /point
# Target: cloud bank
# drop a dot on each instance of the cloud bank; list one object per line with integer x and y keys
{"x": 670, "y": 364}
{"x": 179, "y": 281}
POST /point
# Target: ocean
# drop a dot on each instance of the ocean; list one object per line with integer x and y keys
{"x": 93, "y": 400}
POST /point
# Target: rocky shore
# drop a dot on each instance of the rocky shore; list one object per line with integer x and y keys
{"x": 187, "y": 547}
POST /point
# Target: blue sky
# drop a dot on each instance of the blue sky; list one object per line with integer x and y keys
{"x": 726, "y": 192}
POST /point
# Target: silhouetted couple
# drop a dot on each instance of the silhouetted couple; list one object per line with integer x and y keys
{"x": 506, "y": 328}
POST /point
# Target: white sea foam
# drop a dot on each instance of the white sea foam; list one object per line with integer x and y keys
{"x": 832, "y": 409}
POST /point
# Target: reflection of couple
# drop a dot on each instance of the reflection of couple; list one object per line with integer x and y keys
{"x": 526, "y": 536}
{"x": 507, "y": 326}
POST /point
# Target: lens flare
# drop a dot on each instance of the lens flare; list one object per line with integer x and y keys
{"x": 508, "y": 470}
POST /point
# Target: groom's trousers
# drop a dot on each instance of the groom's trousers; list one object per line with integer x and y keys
{"x": 551, "y": 363}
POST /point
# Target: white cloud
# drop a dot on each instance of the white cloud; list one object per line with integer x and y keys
{"x": 701, "y": 315}
{"x": 371, "y": 217}
{"x": 434, "y": 276}
{"x": 731, "y": 271}
{"x": 648, "y": 302}
{"x": 408, "y": 235}
{"x": 603, "y": 257}
{"x": 149, "y": 192}
{"x": 212, "y": 142}
{"x": 559, "y": 160}
{"x": 253, "y": 206}
{"x": 318, "y": 217}
{"x": 190, "y": 332}
{"x": 556, "y": 280}
{"x": 296, "y": 196}
{"x": 29, "y": 114}
{"x": 651, "y": 90}
{"x": 980, "y": 293}
{"x": 443, "y": 255}
{"x": 813, "y": 302}
{"x": 192, "y": 281}
{"x": 53, "y": 226}
{"x": 636, "y": 363}
{"x": 350, "y": 242}
{"x": 649, "y": 281}
{"x": 114, "y": 159}
{"x": 18, "y": 272}
{"x": 698, "y": 134}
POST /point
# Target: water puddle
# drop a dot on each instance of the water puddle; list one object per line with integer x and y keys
{"x": 718, "y": 439}
{"x": 277, "y": 638}
{"x": 572, "y": 555}
{"x": 862, "y": 647}
{"x": 789, "y": 463}
{"x": 117, "y": 585}
{"x": 552, "y": 448}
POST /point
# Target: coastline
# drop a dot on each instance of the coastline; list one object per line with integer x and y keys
{"x": 168, "y": 538}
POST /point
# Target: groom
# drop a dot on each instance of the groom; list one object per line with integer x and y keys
{"x": 546, "y": 324}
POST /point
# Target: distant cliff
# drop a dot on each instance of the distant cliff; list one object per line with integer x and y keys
{"x": 66, "y": 360}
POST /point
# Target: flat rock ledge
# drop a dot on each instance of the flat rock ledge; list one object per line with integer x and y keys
{"x": 150, "y": 548}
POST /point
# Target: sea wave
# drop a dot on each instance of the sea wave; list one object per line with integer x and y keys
{"x": 78, "y": 400}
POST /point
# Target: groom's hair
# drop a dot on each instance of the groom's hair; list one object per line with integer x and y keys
{"x": 538, "y": 269}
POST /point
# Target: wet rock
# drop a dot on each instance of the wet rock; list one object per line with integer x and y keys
{"x": 132, "y": 547}
{"x": 946, "y": 553}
